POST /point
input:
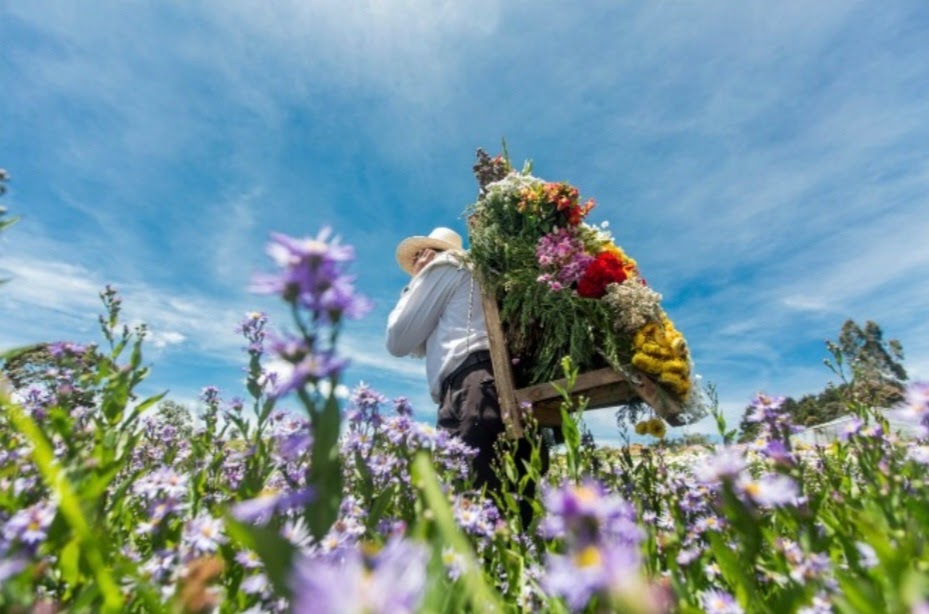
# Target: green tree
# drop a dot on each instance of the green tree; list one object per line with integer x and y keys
{"x": 37, "y": 366}
{"x": 5, "y": 222}
{"x": 878, "y": 375}
{"x": 177, "y": 415}
{"x": 877, "y": 378}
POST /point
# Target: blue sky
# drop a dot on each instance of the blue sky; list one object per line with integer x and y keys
{"x": 765, "y": 163}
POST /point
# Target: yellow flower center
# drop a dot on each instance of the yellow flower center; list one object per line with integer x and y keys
{"x": 586, "y": 494}
{"x": 588, "y": 557}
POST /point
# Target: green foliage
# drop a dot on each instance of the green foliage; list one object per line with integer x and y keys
{"x": 538, "y": 322}
{"x": 5, "y": 222}
{"x": 870, "y": 372}
{"x": 877, "y": 373}
{"x": 86, "y": 468}
{"x": 177, "y": 415}
{"x": 35, "y": 366}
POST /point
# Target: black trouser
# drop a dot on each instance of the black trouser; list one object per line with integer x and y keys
{"x": 470, "y": 409}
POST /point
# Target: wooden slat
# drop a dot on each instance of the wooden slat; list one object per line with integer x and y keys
{"x": 503, "y": 368}
{"x": 548, "y": 411}
{"x": 584, "y": 381}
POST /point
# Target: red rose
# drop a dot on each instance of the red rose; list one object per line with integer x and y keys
{"x": 606, "y": 269}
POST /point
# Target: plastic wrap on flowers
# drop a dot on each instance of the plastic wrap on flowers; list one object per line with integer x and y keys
{"x": 566, "y": 289}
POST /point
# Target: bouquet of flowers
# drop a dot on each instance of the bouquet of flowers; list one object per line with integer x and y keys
{"x": 565, "y": 288}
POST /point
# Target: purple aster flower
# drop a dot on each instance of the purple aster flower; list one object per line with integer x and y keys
{"x": 364, "y": 403}
{"x": 210, "y": 395}
{"x": 875, "y": 431}
{"x": 293, "y": 446}
{"x": 248, "y": 559}
{"x": 403, "y": 407}
{"x": 306, "y": 365}
{"x": 688, "y": 555}
{"x": 60, "y": 349}
{"x": 391, "y": 581}
{"x": 255, "y": 584}
{"x": 164, "y": 480}
{"x": 919, "y": 454}
{"x": 915, "y": 407}
{"x": 296, "y": 532}
{"x": 771, "y": 490}
{"x": 720, "y": 602}
{"x": 764, "y": 407}
{"x": 867, "y": 556}
{"x": 450, "y": 454}
{"x": 820, "y": 605}
{"x": 313, "y": 276}
{"x": 36, "y": 401}
{"x": 260, "y": 509}
{"x": 694, "y": 500}
{"x": 608, "y": 569}
{"x": 342, "y": 536}
{"x": 381, "y": 465}
{"x": 10, "y": 566}
{"x": 341, "y": 300}
{"x": 726, "y": 463}
{"x": 400, "y": 430}
{"x": 777, "y": 451}
{"x": 204, "y": 534}
{"x": 476, "y": 517}
{"x": 804, "y": 566}
{"x": 586, "y": 513}
{"x": 454, "y": 563}
{"x": 29, "y": 526}
{"x": 160, "y": 565}
{"x": 157, "y": 512}
{"x": 852, "y": 428}
{"x": 709, "y": 523}
{"x": 253, "y": 329}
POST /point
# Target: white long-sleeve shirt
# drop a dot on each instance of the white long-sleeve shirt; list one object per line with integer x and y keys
{"x": 433, "y": 311}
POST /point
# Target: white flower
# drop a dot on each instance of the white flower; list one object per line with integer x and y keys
{"x": 633, "y": 304}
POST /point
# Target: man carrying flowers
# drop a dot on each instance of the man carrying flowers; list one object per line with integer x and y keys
{"x": 440, "y": 317}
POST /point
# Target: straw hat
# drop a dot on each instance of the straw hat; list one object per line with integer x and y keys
{"x": 441, "y": 239}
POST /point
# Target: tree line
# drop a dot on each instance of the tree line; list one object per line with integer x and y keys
{"x": 870, "y": 370}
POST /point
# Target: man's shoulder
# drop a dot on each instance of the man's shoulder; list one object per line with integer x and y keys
{"x": 446, "y": 260}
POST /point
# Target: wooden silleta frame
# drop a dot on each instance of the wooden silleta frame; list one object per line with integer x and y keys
{"x": 603, "y": 387}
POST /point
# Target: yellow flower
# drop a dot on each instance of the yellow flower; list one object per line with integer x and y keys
{"x": 646, "y": 363}
{"x": 661, "y": 350}
{"x": 653, "y": 349}
{"x": 677, "y": 383}
{"x": 641, "y": 428}
{"x": 675, "y": 366}
{"x": 644, "y": 334}
{"x": 657, "y": 428}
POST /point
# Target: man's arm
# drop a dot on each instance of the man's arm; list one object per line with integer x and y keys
{"x": 418, "y": 311}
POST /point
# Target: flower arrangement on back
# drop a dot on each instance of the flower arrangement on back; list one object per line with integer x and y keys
{"x": 565, "y": 288}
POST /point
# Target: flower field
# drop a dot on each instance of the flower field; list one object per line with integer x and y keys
{"x": 109, "y": 505}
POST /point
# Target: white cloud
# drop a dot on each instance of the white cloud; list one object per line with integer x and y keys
{"x": 51, "y": 285}
{"x": 162, "y": 339}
